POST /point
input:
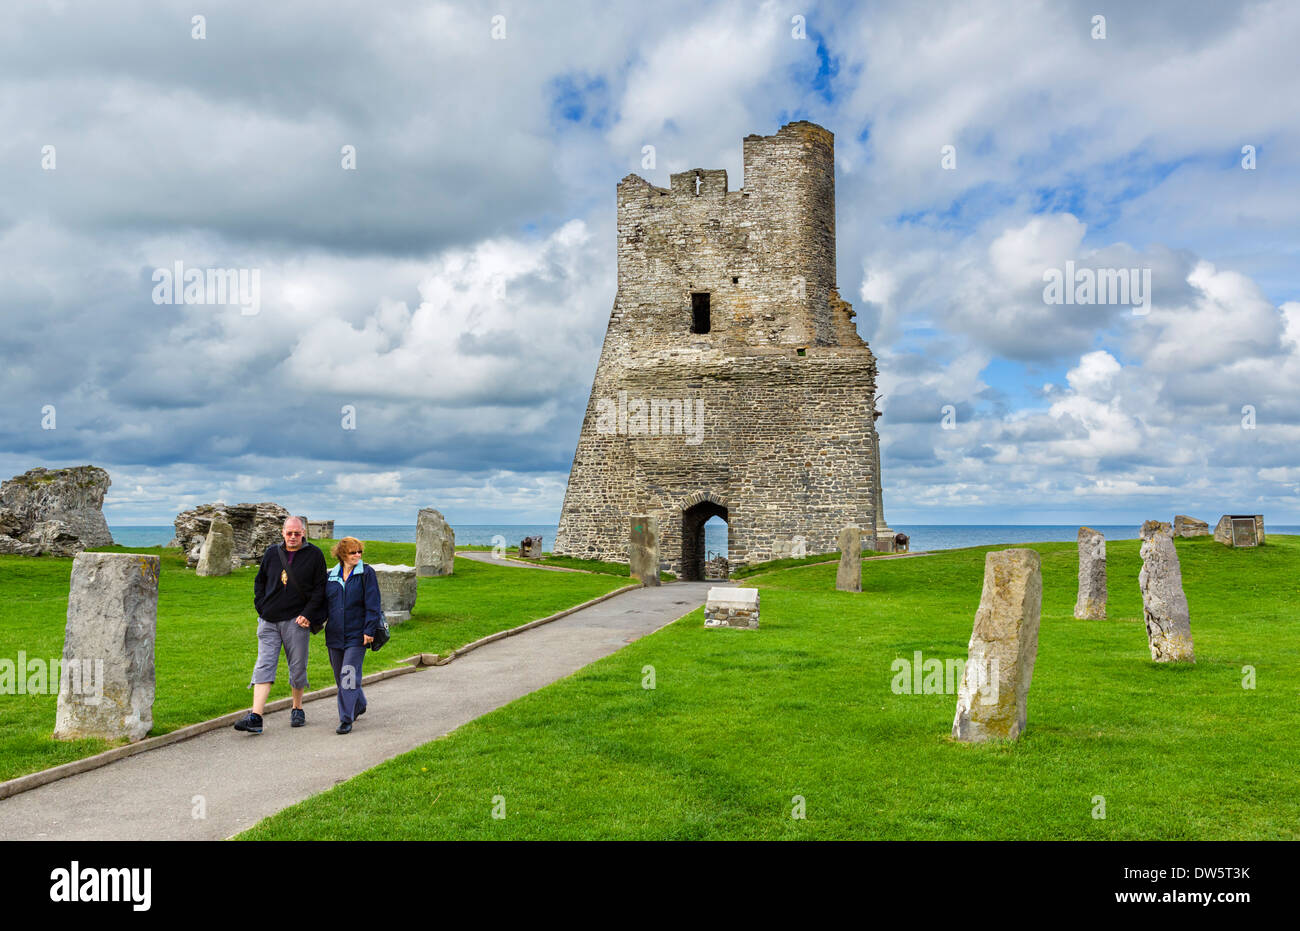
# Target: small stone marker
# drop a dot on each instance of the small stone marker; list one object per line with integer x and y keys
{"x": 397, "y": 590}
{"x": 732, "y": 607}
{"x": 108, "y": 675}
{"x": 217, "y": 556}
{"x": 992, "y": 702}
{"x": 643, "y": 548}
{"x": 1164, "y": 604}
{"x": 848, "y": 578}
{"x": 435, "y": 544}
{"x": 530, "y": 548}
{"x": 1091, "y": 603}
{"x": 1185, "y": 526}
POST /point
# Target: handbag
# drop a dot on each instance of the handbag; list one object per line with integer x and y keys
{"x": 381, "y": 632}
{"x": 315, "y": 626}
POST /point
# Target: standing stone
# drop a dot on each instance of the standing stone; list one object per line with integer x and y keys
{"x": 397, "y": 591}
{"x": 1091, "y": 604}
{"x": 849, "y": 576}
{"x": 993, "y": 700}
{"x": 732, "y": 607}
{"x": 109, "y": 638}
{"x": 257, "y": 526}
{"x": 217, "y": 554}
{"x": 435, "y": 544}
{"x": 643, "y": 549}
{"x": 1185, "y": 526}
{"x": 1164, "y": 604}
{"x": 320, "y": 530}
{"x": 530, "y": 548}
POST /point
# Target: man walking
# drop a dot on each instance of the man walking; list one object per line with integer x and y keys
{"x": 289, "y": 594}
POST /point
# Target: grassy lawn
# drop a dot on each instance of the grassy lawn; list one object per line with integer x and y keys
{"x": 206, "y": 646}
{"x": 740, "y": 722}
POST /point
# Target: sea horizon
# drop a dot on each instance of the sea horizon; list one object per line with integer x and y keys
{"x": 922, "y": 536}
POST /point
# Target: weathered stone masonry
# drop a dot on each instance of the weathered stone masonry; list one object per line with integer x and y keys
{"x": 788, "y": 443}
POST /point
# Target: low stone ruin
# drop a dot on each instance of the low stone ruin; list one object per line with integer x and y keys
{"x": 530, "y": 548}
{"x": 54, "y": 511}
{"x": 1164, "y": 604}
{"x": 107, "y": 683}
{"x": 732, "y": 607}
{"x": 992, "y": 702}
{"x": 1185, "y": 526}
{"x": 397, "y": 591}
{"x": 1091, "y": 603}
{"x": 320, "y": 530}
{"x": 1240, "y": 530}
{"x": 435, "y": 544}
{"x": 255, "y": 527}
{"x": 717, "y": 568}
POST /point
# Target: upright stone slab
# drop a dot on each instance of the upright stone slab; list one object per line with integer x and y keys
{"x": 435, "y": 544}
{"x": 732, "y": 607}
{"x": 643, "y": 548}
{"x": 993, "y": 700}
{"x": 848, "y": 578}
{"x": 112, "y": 619}
{"x": 1185, "y": 526}
{"x": 397, "y": 591}
{"x": 1091, "y": 603}
{"x": 217, "y": 556}
{"x": 1164, "y": 604}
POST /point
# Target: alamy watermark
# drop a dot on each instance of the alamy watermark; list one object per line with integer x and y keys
{"x": 38, "y": 676}
{"x": 1121, "y": 286}
{"x": 626, "y": 416}
{"x": 920, "y": 676}
{"x": 181, "y": 285}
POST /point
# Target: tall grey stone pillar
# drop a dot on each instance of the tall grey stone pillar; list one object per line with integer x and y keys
{"x": 217, "y": 556}
{"x": 1091, "y": 603}
{"x": 107, "y": 683}
{"x": 643, "y": 548}
{"x": 1164, "y": 604}
{"x": 992, "y": 702}
{"x": 848, "y": 578}
{"x": 435, "y": 544}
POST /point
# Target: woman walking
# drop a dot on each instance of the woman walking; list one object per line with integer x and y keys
{"x": 354, "y": 614}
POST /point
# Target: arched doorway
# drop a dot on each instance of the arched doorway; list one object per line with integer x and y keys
{"x": 694, "y": 517}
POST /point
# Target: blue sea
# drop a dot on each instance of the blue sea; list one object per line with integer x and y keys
{"x": 923, "y": 536}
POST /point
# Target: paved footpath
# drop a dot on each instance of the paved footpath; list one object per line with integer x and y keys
{"x": 244, "y": 778}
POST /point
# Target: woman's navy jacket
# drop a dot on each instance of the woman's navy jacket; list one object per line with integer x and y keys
{"x": 354, "y": 606}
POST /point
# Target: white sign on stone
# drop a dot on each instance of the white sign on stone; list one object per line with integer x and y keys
{"x": 112, "y": 619}
{"x": 732, "y": 607}
{"x": 397, "y": 590}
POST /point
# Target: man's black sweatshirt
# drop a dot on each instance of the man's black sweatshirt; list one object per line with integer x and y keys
{"x": 277, "y": 600}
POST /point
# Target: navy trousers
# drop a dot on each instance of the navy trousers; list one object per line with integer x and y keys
{"x": 347, "y": 664}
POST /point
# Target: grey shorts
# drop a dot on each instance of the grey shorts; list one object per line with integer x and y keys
{"x": 271, "y": 636}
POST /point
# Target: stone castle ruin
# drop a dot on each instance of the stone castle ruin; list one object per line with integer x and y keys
{"x": 732, "y": 381}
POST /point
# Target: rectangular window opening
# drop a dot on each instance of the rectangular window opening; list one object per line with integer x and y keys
{"x": 700, "y": 312}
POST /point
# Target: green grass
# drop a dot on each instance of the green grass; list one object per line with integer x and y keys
{"x": 206, "y": 644}
{"x": 740, "y": 722}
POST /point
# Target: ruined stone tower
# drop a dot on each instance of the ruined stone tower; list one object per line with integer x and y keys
{"x": 732, "y": 381}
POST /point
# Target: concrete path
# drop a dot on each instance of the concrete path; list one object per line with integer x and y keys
{"x": 509, "y": 561}
{"x": 242, "y": 779}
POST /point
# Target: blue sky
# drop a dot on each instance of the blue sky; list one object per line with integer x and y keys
{"x": 452, "y": 287}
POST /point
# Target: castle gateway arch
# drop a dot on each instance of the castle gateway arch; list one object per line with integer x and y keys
{"x": 732, "y": 381}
